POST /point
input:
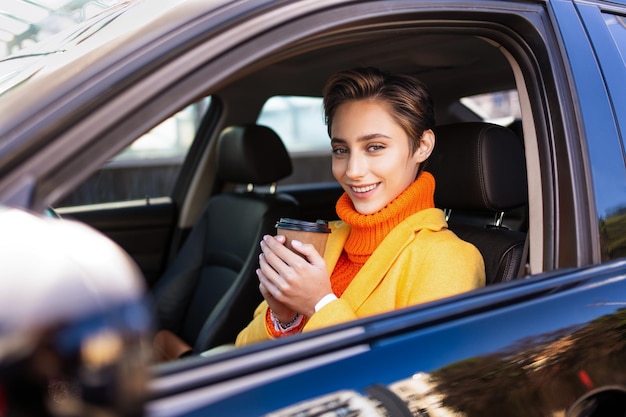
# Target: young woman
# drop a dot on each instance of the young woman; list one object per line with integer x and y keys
{"x": 391, "y": 248}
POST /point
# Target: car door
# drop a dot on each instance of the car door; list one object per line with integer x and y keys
{"x": 531, "y": 347}
{"x": 528, "y": 348}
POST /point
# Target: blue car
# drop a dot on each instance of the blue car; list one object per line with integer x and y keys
{"x": 157, "y": 142}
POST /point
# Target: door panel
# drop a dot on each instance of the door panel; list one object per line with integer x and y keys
{"x": 608, "y": 35}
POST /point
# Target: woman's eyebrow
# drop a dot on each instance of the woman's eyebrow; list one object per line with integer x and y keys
{"x": 363, "y": 138}
{"x": 373, "y": 136}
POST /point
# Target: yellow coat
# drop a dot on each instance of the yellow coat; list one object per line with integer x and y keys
{"x": 419, "y": 260}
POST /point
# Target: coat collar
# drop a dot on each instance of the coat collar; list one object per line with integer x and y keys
{"x": 377, "y": 266}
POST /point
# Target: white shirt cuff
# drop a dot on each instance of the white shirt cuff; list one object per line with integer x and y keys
{"x": 325, "y": 300}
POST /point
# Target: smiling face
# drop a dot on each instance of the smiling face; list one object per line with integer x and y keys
{"x": 372, "y": 159}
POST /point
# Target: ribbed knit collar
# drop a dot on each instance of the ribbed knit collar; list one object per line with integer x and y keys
{"x": 368, "y": 230}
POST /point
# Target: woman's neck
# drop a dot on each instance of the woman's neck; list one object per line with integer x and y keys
{"x": 368, "y": 230}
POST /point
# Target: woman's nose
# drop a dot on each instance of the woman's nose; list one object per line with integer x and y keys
{"x": 357, "y": 166}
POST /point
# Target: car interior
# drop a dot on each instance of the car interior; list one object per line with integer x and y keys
{"x": 238, "y": 177}
{"x": 208, "y": 292}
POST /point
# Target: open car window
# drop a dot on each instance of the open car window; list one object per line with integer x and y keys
{"x": 148, "y": 168}
{"x": 299, "y": 121}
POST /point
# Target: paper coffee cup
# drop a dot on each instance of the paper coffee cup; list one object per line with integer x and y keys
{"x": 315, "y": 233}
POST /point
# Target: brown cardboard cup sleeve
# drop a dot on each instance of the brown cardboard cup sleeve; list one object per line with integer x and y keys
{"x": 315, "y": 233}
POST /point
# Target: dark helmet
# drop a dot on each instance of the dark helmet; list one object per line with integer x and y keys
{"x": 74, "y": 322}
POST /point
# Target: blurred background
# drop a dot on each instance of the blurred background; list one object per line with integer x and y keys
{"x": 25, "y": 22}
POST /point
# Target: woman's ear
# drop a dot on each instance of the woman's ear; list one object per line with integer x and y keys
{"x": 426, "y": 146}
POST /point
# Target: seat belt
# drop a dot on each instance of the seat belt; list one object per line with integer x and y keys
{"x": 523, "y": 265}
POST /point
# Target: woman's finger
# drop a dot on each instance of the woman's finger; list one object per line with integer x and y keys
{"x": 268, "y": 275}
{"x": 309, "y": 252}
{"x": 280, "y": 258}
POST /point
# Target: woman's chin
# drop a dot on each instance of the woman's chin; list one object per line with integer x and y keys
{"x": 365, "y": 208}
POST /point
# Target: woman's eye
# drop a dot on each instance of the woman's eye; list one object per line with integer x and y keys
{"x": 374, "y": 148}
{"x": 339, "y": 151}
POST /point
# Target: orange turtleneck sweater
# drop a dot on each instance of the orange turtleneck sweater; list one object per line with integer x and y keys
{"x": 368, "y": 230}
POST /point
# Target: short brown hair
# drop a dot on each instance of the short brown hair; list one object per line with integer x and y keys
{"x": 410, "y": 101}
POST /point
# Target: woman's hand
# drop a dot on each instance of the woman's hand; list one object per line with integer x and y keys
{"x": 291, "y": 283}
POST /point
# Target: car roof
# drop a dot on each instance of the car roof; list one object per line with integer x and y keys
{"x": 119, "y": 30}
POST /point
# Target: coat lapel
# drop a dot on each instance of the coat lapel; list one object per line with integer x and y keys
{"x": 384, "y": 257}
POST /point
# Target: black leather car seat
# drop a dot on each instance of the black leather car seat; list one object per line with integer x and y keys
{"x": 480, "y": 174}
{"x": 210, "y": 291}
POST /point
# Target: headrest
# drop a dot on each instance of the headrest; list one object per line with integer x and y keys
{"x": 251, "y": 154}
{"x": 478, "y": 166}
